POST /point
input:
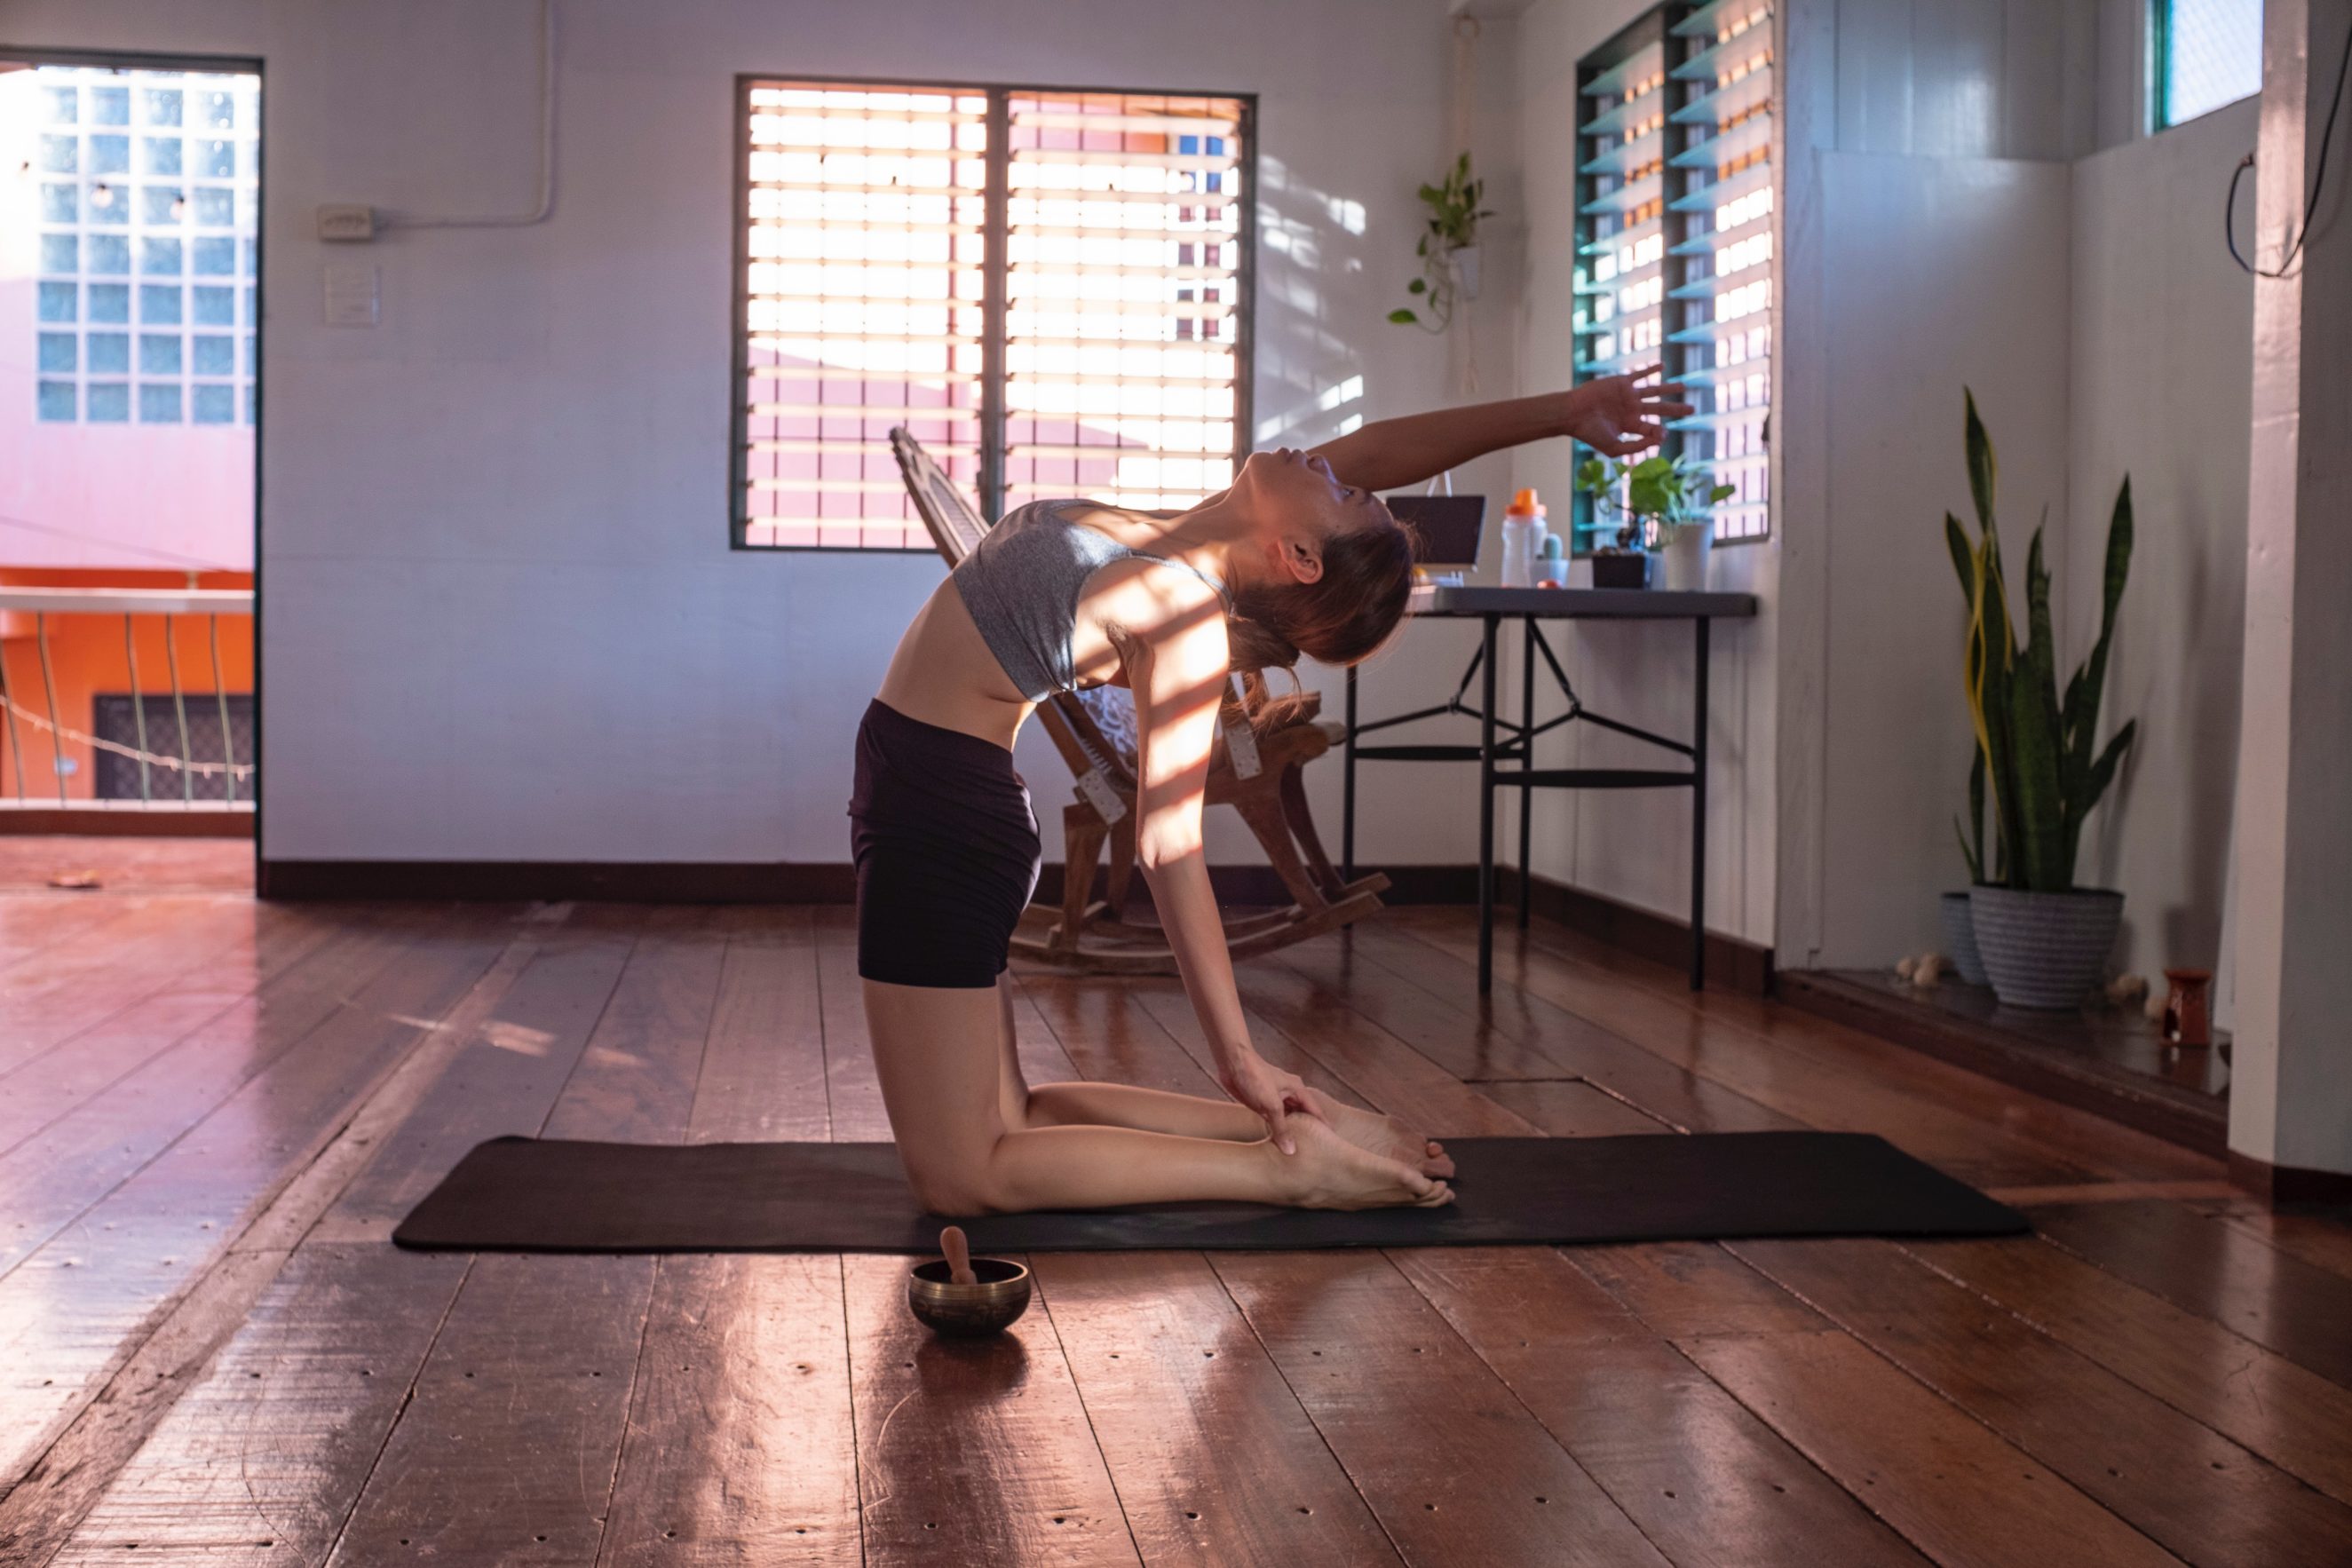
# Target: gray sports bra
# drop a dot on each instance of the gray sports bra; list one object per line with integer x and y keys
{"x": 1022, "y": 585}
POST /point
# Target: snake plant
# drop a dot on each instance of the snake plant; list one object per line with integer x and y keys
{"x": 2036, "y": 755}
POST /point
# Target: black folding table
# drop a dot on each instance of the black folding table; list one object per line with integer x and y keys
{"x": 1500, "y": 741}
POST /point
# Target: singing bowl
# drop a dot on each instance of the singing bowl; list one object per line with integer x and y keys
{"x": 961, "y": 1311}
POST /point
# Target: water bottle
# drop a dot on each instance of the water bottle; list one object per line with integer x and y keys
{"x": 1522, "y": 531}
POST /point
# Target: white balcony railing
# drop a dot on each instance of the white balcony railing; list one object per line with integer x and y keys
{"x": 168, "y": 769}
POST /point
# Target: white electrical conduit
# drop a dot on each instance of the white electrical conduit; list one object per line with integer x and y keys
{"x": 546, "y": 150}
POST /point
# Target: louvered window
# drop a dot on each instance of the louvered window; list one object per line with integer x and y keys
{"x": 1050, "y": 289}
{"x": 1674, "y": 231}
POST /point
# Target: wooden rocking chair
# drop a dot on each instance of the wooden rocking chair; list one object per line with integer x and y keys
{"x": 1255, "y": 772}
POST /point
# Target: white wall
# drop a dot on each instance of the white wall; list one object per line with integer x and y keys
{"x": 2161, "y": 389}
{"x": 1938, "y": 236}
{"x": 500, "y": 618}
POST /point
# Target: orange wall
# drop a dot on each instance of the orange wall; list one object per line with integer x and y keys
{"x": 87, "y": 658}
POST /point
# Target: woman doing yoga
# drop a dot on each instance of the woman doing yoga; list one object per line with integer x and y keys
{"x": 1298, "y": 556}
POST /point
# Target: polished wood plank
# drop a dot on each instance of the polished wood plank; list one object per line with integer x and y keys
{"x": 1571, "y": 1108}
{"x": 2296, "y": 1419}
{"x": 554, "y": 1341}
{"x": 1706, "y": 1480}
{"x": 52, "y": 1177}
{"x": 740, "y": 1445}
{"x": 1212, "y": 1457}
{"x": 1163, "y": 1003}
{"x": 1451, "y": 1463}
{"x": 50, "y": 997}
{"x": 141, "y": 1397}
{"x": 1833, "y": 1098}
{"x": 763, "y": 1075}
{"x": 1669, "y": 1090}
{"x": 972, "y": 1451}
{"x": 502, "y": 1082}
{"x": 497, "y": 1009}
{"x": 852, "y": 1094}
{"x": 258, "y": 1463}
{"x": 2187, "y": 1487}
{"x": 1473, "y": 1048}
{"x": 504, "y": 1451}
{"x": 71, "y": 1309}
{"x": 2107, "y": 1146}
{"x": 1385, "y": 1069}
{"x": 33, "y": 924}
{"x": 2297, "y": 1309}
{"x": 2320, "y": 1239}
{"x": 1953, "y": 1488}
{"x": 1214, "y": 1460}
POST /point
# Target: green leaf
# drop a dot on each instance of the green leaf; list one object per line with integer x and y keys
{"x": 1592, "y": 475}
{"x": 1956, "y": 540}
{"x": 1404, "y": 318}
{"x": 2044, "y": 846}
{"x": 2103, "y": 771}
{"x": 1976, "y": 867}
{"x": 1983, "y": 467}
{"x": 1418, "y": 286}
{"x": 1721, "y": 493}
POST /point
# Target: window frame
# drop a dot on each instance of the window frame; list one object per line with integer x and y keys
{"x": 995, "y": 272}
{"x": 1665, "y": 27}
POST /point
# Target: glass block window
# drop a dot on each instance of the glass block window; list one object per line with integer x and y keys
{"x": 1045, "y": 288}
{"x": 2208, "y": 53}
{"x": 1675, "y": 233}
{"x": 148, "y": 195}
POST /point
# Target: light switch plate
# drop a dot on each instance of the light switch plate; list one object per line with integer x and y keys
{"x": 352, "y": 294}
{"x": 346, "y": 222}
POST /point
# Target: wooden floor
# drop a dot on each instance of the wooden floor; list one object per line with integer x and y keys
{"x": 212, "y": 1112}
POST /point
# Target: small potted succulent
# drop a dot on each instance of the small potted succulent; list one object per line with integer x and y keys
{"x": 2043, "y": 941}
{"x": 1660, "y": 500}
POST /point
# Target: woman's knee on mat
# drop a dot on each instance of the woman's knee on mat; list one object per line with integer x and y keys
{"x": 961, "y": 1181}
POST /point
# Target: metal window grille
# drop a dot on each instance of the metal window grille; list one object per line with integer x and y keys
{"x": 1050, "y": 289}
{"x": 1676, "y": 232}
{"x": 145, "y": 245}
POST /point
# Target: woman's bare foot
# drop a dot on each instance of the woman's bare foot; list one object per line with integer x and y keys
{"x": 1330, "y": 1172}
{"x": 1386, "y": 1136}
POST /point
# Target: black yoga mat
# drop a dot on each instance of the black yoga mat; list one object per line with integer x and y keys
{"x": 522, "y": 1194}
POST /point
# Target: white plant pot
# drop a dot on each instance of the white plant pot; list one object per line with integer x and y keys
{"x": 1464, "y": 262}
{"x": 1682, "y": 558}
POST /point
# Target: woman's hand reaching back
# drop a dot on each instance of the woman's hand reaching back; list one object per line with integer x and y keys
{"x": 1271, "y": 1092}
{"x": 1617, "y": 418}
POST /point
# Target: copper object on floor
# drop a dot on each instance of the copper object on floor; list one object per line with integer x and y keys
{"x": 2187, "y": 1020}
{"x": 969, "y": 1311}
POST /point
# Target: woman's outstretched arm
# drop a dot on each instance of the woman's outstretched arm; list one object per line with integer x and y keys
{"x": 1611, "y": 415}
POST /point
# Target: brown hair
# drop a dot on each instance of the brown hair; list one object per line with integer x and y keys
{"x": 1341, "y": 619}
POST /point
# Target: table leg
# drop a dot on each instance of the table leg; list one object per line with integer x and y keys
{"x": 1487, "y": 809}
{"x": 1347, "y": 788}
{"x": 1527, "y": 761}
{"x": 1698, "y": 814}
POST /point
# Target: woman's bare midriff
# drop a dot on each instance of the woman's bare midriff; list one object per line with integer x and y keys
{"x": 945, "y": 674}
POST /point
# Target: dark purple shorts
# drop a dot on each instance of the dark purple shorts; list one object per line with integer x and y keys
{"x": 947, "y": 853}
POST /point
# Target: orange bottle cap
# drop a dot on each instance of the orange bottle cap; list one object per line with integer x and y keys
{"x": 1525, "y": 504}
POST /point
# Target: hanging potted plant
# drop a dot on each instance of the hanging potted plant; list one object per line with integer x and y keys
{"x": 1448, "y": 249}
{"x": 1659, "y": 500}
{"x": 2043, "y": 940}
